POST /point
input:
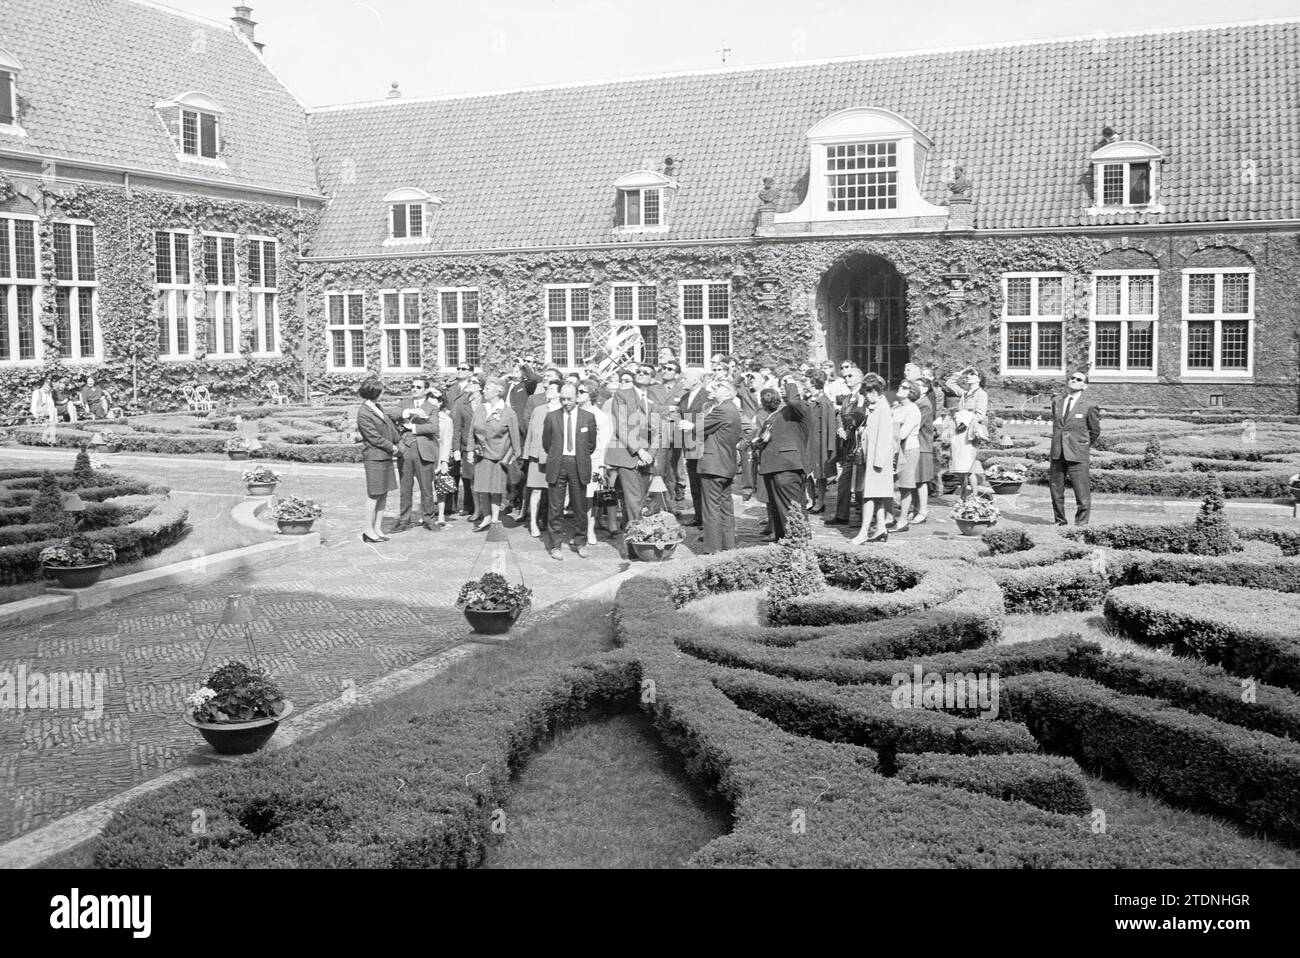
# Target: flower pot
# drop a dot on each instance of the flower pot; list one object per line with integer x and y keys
{"x": 239, "y": 738}
{"x": 237, "y": 453}
{"x": 77, "y": 576}
{"x": 1006, "y": 488}
{"x": 653, "y": 551}
{"x": 113, "y": 447}
{"x": 972, "y": 527}
{"x": 294, "y": 527}
{"x": 260, "y": 488}
{"x": 491, "y": 621}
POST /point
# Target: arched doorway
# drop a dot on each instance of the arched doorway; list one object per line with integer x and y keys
{"x": 862, "y": 301}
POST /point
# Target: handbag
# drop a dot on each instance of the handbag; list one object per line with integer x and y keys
{"x": 443, "y": 483}
{"x": 605, "y": 495}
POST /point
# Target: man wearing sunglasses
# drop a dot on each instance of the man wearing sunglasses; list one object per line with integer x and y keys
{"x": 1076, "y": 427}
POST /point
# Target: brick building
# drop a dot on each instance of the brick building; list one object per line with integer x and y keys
{"x": 1128, "y": 203}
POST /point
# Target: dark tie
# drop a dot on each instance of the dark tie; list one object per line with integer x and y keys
{"x": 1069, "y": 405}
{"x": 569, "y": 444}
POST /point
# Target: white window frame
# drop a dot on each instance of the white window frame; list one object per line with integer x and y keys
{"x": 406, "y": 220}
{"x": 567, "y": 322}
{"x": 9, "y": 64}
{"x": 1123, "y": 318}
{"x": 1034, "y": 319}
{"x": 641, "y": 183}
{"x": 80, "y": 288}
{"x": 1125, "y": 153}
{"x": 1218, "y": 317}
{"x": 403, "y": 324}
{"x": 198, "y": 134}
{"x": 641, "y": 194}
{"x": 708, "y": 322}
{"x": 831, "y": 175}
{"x": 458, "y": 326}
{"x": 406, "y": 197}
{"x": 178, "y": 296}
{"x": 259, "y": 295}
{"x": 12, "y": 284}
{"x": 349, "y": 330}
{"x": 640, "y": 321}
{"x": 227, "y": 297}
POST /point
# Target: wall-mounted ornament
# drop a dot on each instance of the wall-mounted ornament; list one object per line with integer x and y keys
{"x": 765, "y": 289}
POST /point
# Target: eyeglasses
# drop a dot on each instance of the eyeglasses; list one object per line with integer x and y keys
{"x": 1077, "y": 379}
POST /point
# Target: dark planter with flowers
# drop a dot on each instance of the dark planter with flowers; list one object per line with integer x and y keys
{"x": 261, "y": 481}
{"x": 653, "y": 551}
{"x": 975, "y": 516}
{"x": 237, "y": 710}
{"x": 239, "y": 738}
{"x": 492, "y": 605}
{"x": 77, "y": 576}
{"x": 491, "y": 621}
{"x": 77, "y": 562}
{"x": 653, "y": 538}
{"x": 294, "y": 516}
{"x": 1005, "y": 480}
{"x": 969, "y": 528}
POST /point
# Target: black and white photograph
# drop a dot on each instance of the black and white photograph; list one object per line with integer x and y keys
{"x": 609, "y": 435}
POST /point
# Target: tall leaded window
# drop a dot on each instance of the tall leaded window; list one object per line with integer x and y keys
{"x": 1218, "y": 320}
{"x": 263, "y": 295}
{"x": 633, "y": 308}
{"x": 399, "y": 322}
{"x": 75, "y": 328}
{"x": 706, "y": 321}
{"x": 220, "y": 289}
{"x": 1124, "y": 316}
{"x": 345, "y": 331}
{"x": 175, "y": 294}
{"x": 861, "y": 176}
{"x": 458, "y": 327}
{"x": 1033, "y": 318}
{"x": 19, "y": 291}
{"x": 568, "y": 325}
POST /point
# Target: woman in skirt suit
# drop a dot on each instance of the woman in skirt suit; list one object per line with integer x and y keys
{"x": 496, "y": 445}
{"x": 971, "y": 418}
{"x": 907, "y": 426}
{"x": 535, "y": 453}
{"x": 878, "y": 446}
{"x": 379, "y": 439}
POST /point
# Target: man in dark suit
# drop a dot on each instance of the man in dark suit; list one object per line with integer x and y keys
{"x": 462, "y": 441}
{"x": 690, "y": 442}
{"x": 1076, "y": 427}
{"x": 782, "y": 441}
{"x": 671, "y": 444}
{"x": 569, "y": 438}
{"x": 631, "y": 450}
{"x": 716, "y": 468}
{"x": 852, "y": 413}
{"x": 521, "y": 387}
{"x": 417, "y": 455}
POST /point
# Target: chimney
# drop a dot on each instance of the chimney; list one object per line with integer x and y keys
{"x": 393, "y": 92}
{"x": 244, "y": 24}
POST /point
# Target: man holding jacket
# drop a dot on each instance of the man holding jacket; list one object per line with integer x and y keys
{"x": 1076, "y": 427}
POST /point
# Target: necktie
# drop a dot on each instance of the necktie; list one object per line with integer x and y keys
{"x": 570, "y": 448}
{"x": 1069, "y": 405}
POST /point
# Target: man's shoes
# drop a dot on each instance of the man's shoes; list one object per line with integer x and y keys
{"x": 557, "y": 553}
{"x": 835, "y": 521}
{"x": 583, "y": 551}
{"x": 694, "y": 524}
{"x": 400, "y": 527}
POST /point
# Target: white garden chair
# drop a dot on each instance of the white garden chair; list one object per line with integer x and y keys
{"x": 277, "y": 397}
{"x": 203, "y": 401}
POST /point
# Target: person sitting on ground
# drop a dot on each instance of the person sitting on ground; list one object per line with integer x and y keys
{"x": 94, "y": 400}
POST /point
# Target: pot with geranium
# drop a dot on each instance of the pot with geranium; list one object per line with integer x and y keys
{"x": 1006, "y": 478}
{"x": 975, "y": 515}
{"x": 295, "y": 515}
{"x": 261, "y": 480}
{"x": 492, "y": 605}
{"x": 107, "y": 440}
{"x": 78, "y": 561}
{"x": 653, "y": 538}
{"x": 237, "y": 709}
{"x": 1294, "y": 485}
{"x": 238, "y": 447}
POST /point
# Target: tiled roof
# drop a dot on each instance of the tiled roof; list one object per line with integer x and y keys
{"x": 93, "y": 70}
{"x": 537, "y": 167}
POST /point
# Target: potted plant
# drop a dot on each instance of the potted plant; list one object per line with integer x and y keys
{"x": 1006, "y": 478}
{"x": 975, "y": 515}
{"x": 1293, "y": 484}
{"x": 237, "y": 709}
{"x": 492, "y": 605}
{"x": 295, "y": 515}
{"x": 238, "y": 447}
{"x": 261, "y": 480}
{"x": 107, "y": 440}
{"x": 78, "y": 561}
{"x": 653, "y": 538}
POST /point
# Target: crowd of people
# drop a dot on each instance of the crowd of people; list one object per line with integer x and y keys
{"x": 70, "y": 402}
{"x": 552, "y": 448}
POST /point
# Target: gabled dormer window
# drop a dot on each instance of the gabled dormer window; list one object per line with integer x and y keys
{"x": 411, "y": 215}
{"x": 194, "y": 121}
{"x": 644, "y": 198}
{"x": 1126, "y": 175}
{"x": 9, "y": 70}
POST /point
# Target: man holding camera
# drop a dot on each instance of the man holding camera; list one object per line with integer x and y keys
{"x": 781, "y": 444}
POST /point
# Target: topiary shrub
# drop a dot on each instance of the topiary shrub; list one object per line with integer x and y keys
{"x": 82, "y": 470}
{"x": 1152, "y": 457}
{"x": 1211, "y": 533}
{"x": 47, "y": 506}
{"x": 797, "y": 571}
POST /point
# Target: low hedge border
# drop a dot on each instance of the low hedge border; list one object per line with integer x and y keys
{"x": 184, "y": 444}
{"x": 334, "y": 802}
{"x": 1250, "y": 632}
{"x": 1178, "y": 485}
{"x": 1045, "y": 781}
{"x": 1249, "y": 776}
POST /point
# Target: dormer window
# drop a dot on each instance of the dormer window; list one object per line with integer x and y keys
{"x": 643, "y": 201}
{"x": 9, "y": 70}
{"x": 1125, "y": 175}
{"x": 410, "y": 215}
{"x": 194, "y": 121}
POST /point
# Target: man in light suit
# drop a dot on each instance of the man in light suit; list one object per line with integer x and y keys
{"x": 417, "y": 455}
{"x": 569, "y": 438}
{"x": 716, "y": 468}
{"x": 782, "y": 441}
{"x": 1076, "y": 427}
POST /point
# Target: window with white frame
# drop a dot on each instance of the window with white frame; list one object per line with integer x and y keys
{"x": 199, "y": 134}
{"x": 19, "y": 291}
{"x": 568, "y": 325}
{"x": 9, "y": 70}
{"x": 263, "y": 301}
{"x": 345, "y": 330}
{"x": 1033, "y": 319}
{"x": 641, "y": 207}
{"x": 407, "y": 220}
{"x": 411, "y": 216}
{"x": 1218, "y": 316}
{"x": 1124, "y": 315}
{"x": 220, "y": 290}
{"x": 194, "y": 121}
{"x": 643, "y": 201}
{"x": 458, "y": 327}
{"x": 706, "y": 321}
{"x": 861, "y": 176}
{"x": 175, "y": 294}
{"x": 399, "y": 322}
{"x": 1125, "y": 174}
{"x": 75, "y": 327}
{"x": 632, "y": 307}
